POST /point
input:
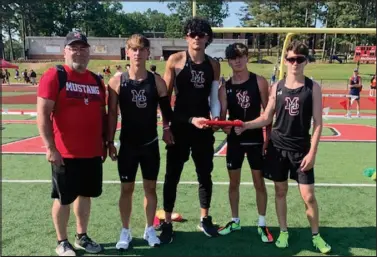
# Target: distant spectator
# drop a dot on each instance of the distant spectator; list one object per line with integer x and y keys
{"x": 7, "y": 76}
{"x": 372, "y": 91}
{"x": 1, "y": 77}
{"x": 222, "y": 80}
{"x": 273, "y": 78}
{"x": 128, "y": 67}
{"x": 33, "y": 77}
{"x": 17, "y": 75}
{"x": 275, "y": 69}
{"x": 153, "y": 69}
{"x": 25, "y": 76}
{"x": 107, "y": 71}
{"x": 119, "y": 70}
{"x": 99, "y": 74}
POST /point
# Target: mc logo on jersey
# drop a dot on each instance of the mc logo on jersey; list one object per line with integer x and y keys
{"x": 197, "y": 77}
{"x": 139, "y": 98}
{"x": 243, "y": 99}
{"x": 292, "y": 105}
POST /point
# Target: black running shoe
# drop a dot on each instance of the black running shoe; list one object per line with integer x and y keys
{"x": 207, "y": 227}
{"x": 166, "y": 236}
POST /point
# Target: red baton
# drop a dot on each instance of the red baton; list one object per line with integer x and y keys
{"x": 224, "y": 123}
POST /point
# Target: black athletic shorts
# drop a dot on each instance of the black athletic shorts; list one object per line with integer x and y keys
{"x": 235, "y": 155}
{"x": 77, "y": 177}
{"x": 278, "y": 163}
{"x": 129, "y": 158}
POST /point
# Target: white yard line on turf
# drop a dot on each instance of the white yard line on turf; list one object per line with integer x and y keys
{"x": 195, "y": 183}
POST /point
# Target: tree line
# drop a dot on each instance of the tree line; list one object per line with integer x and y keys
{"x": 22, "y": 18}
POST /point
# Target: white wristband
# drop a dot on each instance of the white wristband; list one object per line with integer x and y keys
{"x": 214, "y": 99}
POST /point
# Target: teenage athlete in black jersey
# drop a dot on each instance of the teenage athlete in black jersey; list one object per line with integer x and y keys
{"x": 138, "y": 93}
{"x": 243, "y": 95}
{"x": 295, "y": 101}
{"x": 195, "y": 78}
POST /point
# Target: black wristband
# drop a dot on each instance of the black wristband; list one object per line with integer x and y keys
{"x": 190, "y": 120}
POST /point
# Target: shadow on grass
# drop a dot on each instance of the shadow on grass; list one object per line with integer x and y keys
{"x": 246, "y": 243}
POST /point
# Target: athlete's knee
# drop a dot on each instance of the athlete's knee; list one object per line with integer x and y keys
{"x": 309, "y": 198}
{"x": 234, "y": 185}
{"x": 174, "y": 169}
{"x": 204, "y": 167}
{"x": 127, "y": 189}
{"x": 260, "y": 187}
{"x": 281, "y": 190}
{"x": 204, "y": 177}
{"x": 172, "y": 177}
{"x": 149, "y": 187}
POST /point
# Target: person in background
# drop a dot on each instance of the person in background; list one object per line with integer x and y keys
{"x": 355, "y": 86}
{"x": 372, "y": 91}
{"x": 153, "y": 69}
{"x": 33, "y": 77}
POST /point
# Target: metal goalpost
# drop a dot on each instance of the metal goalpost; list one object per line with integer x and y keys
{"x": 290, "y": 32}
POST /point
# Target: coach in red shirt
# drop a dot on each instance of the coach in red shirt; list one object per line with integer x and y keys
{"x": 71, "y": 117}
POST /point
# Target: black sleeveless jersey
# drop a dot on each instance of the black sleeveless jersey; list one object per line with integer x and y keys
{"x": 244, "y": 103}
{"x": 138, "y": 101}
{"x": 192, "y": 89}
{"x": 294, "y": 112}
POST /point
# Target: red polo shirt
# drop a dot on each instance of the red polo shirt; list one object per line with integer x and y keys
{"x": 77, "y": 116}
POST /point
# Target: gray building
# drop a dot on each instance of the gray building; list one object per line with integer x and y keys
{"x": 44, "y": 48}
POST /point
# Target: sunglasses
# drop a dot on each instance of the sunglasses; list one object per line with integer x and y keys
{"x": 299, "y": 59}
{"x": 197, "y": 34}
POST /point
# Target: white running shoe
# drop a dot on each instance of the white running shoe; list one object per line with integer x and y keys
{"x": 151, "y": 237}
{"x": 124, "y": 240}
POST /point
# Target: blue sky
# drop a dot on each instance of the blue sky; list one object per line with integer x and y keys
{"x": 231, "y": 21}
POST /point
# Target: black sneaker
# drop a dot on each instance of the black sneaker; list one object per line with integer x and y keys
{"x": 166, "y": 236}
{"x": 207, "y": 227}
{"x": 65, "y": 249}
{"x": 87, "y": 244}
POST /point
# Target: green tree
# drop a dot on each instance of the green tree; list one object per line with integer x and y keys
{"x": 156, "y": 21}
{"x": 174, "y": 28}
{"x": 215, "y": 10}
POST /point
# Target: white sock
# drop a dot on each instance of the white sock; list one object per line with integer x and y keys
{"x": 149, "y": 228}
{"x": 126, "y": 230}
{"x": 236, "y": 220}
{"x": 261, "y": 221}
